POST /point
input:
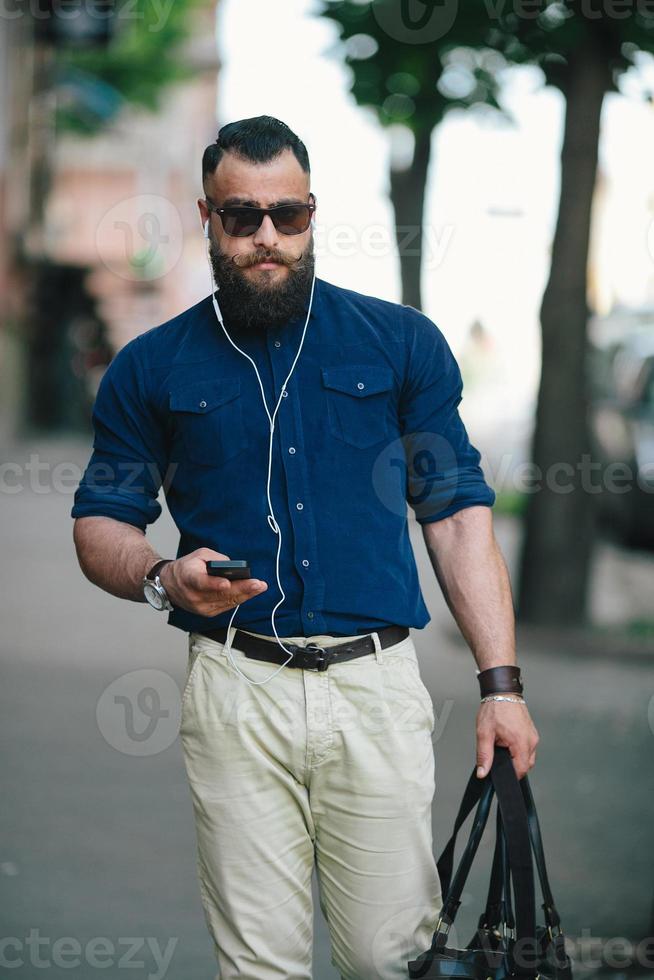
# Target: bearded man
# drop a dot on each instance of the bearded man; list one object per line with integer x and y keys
{"x": 291, "y": 422}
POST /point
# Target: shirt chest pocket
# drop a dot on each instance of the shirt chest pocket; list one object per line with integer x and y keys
{"x": 358, "y": 402}
{"x": 208, "y": 417}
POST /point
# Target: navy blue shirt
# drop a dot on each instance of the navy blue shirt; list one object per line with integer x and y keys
{"x": 369, "y": 428}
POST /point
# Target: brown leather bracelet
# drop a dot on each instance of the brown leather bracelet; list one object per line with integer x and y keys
{"x": 500, "y": 680}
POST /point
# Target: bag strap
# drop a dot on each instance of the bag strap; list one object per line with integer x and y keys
{"x": 552, "y": 918}
{"x": 471, "y": 797}
{"x": 494, "y": 914}
{"x": 499, "y": 910}
{"x": 452, "y": 889}
{"x": 499, "y": 872}
{"x": 555, "y": 941}
{"x": 502, "y": 781}
{"x": 516, "y": 827}
{"x": 510, "y": 919}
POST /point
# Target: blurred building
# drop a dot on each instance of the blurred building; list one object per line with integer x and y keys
{"x": 124, "y": 202}
{"x": 16, "y": 74}
{"x": 102, "y": 236}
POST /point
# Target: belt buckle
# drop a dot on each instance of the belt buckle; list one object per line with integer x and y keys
{"x": 321, "y": 656}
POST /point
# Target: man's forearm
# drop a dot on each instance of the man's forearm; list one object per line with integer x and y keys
{"x": 113, "y": 555}
{"x": 475, "y": 582}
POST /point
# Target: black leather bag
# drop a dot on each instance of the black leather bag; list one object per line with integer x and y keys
{"x": 506, "y": 943}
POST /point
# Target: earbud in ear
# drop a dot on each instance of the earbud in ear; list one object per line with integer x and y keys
{"x": 206, "y": 229}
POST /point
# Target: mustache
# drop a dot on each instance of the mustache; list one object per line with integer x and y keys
{"x": 271, "y": 255}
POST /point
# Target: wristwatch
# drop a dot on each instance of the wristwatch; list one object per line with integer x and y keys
{"x": 153, "y": 590}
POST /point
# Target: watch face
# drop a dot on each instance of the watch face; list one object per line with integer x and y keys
{"x": 152, "y": 596}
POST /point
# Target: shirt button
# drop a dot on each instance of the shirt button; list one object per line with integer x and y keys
{"x": 300, "y": 506}
{"x": 310, "y": 615}
{"x": 203, "y": 404}
{"x": 305, "y": 563}
{"x": 278, "y": 343}
{"x": 291, "y": 450}
{"x": 361, "y": 386}
{"x": 284, "y": 394}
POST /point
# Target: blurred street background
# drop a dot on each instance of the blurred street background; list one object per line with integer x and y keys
{"x": 490, "y": 164}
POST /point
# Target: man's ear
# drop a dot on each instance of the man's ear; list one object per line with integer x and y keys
{"x": 204, "y": 212}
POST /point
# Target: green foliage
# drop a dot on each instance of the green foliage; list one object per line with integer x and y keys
{"x": 140, "y": 61}
{"x": 641, "y": 627}
{"x": 408, "y": 83}
{"x": 510, "y": 503}
{"x": 564, "y": 26}
{"x": 483, "y": 40}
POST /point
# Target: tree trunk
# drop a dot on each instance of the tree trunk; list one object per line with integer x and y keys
{"x": 559, "y": 528}
{"x": 408, "y": 199}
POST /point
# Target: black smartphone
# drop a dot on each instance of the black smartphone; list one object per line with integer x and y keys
{"x": 229, "y": 569}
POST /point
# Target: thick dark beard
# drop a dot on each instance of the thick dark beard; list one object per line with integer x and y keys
{"x": 247, "y": 306}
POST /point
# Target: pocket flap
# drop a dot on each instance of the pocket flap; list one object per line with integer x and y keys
{"x": 203, "y": 396}
{"x": 358, "y": 380}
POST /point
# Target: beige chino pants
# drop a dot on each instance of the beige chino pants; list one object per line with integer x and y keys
{"x": 331, "y": 767}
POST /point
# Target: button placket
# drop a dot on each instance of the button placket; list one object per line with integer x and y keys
{"x": 294, "y": 461}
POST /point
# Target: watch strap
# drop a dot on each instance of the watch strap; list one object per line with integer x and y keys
{"x": 156, "y": 568}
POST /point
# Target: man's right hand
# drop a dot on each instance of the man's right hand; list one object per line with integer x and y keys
{"x": 189, "y": 585}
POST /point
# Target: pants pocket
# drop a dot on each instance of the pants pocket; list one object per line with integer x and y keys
{"x": 194, "y": 657}
{"x": 403, "y": 676}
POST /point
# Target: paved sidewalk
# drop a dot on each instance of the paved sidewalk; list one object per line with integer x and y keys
{"x": 97, "y": 845}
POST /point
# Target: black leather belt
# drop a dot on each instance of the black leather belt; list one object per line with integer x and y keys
{"x": 312, "y": 656}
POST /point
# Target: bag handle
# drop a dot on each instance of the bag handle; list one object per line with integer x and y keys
{"x": 452, "y": 889}
{"x": 560, "y": 960}
{"x": 499, "y": 910}
{"x": 516, "y": 828}
{"x": 495, "y": 913}
{"x": 471, "y": 797}
{"x": 552, "y": 918}
{"x": 502, "y": 781}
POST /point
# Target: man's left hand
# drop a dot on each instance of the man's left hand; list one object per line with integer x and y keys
{"x": 509, "y": 724}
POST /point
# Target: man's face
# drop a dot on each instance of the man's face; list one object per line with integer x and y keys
{"x": 255, "y": 293}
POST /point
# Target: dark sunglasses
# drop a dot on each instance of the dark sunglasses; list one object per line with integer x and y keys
{"x": 288, "y": 219}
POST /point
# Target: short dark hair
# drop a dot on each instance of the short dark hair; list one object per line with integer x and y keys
{"x": 260, "y": 139}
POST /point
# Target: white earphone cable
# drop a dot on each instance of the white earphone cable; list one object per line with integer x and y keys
{"x": 271, "y": 420}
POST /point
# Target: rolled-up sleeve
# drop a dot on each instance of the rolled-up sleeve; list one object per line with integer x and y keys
{"x": 443, "y": 467}
{"x": 125, "y": 472}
